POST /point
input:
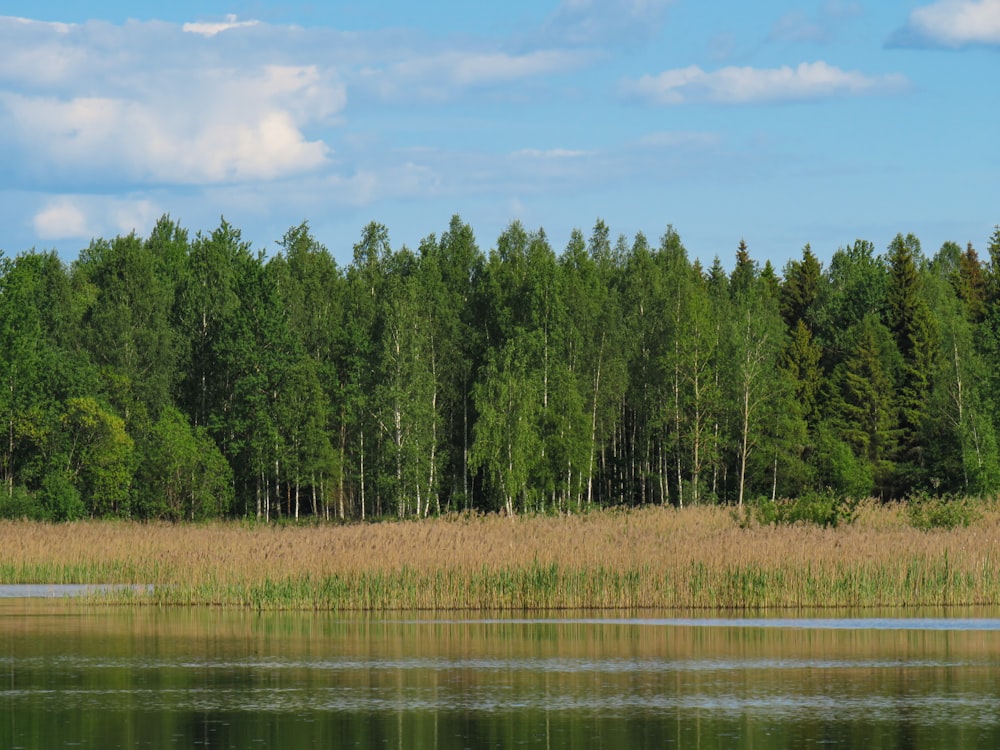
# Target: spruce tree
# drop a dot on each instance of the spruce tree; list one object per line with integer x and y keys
{"x": 916, "y": 336}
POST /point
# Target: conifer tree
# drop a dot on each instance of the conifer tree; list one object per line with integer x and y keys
{"x": 916, "y": 335}
{"x": 862, "y": 403}
{"x": 800, "y": 289}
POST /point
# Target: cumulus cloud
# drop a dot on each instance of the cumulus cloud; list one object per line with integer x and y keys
{"x": 238, "y": 117}
{"x": 61, "y": 219}
{"x": 82, "y": 217}
{"x": 745, "y": 85}
{"x": 71, "y": 105}
{"x": 951, "y": 23}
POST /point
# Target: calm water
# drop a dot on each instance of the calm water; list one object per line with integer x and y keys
{"x": 77, "y": 677}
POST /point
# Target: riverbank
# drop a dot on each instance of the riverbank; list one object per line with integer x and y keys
{"x": 647, "y": 558}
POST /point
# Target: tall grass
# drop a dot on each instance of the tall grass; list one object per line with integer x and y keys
{"x": 649, "y": 558}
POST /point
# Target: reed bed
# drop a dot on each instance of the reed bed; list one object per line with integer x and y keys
{"x": 699, "y": 558}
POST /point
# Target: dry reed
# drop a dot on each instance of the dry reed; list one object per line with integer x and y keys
{"x": 648, "y": 558}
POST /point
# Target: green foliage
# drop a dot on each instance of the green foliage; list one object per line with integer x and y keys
{"x": 178, "y": 377}
{"x": 801, "y": 289}
{"x": 926, "y": 512}
{"x": 127, "y": 327}
{"x": 507, "y": 440}
{"x": 827, "y": 509}
{"x": 20, "y": 503}
{"x": 182, "y": 475}
{"x": 101, "y": 456}
{"x": 60, "y": 499}
{"x": 839, "y": 468}
{"x": 861, "y": 407}
{"x": 916, "y": 334}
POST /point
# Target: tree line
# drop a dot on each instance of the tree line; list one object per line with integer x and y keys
{"x": 186, "y": 377}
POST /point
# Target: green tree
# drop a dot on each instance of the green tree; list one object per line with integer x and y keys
{"x": 524, "y": 314}
{"x": 313, "y": 297}
{"x": 992, "y": 270}
{"x": 855, "y": 286}
{"x": 645, "y": 299}
{"x": 593, "y": 343}
{"x": 862, "y": 405}
{"x": 801, "y": 360}
{"x": 127, "y": 327}
{"x": 800, "y": 290}
{"x": 970, "y": 283}
{"x": 99, "y": 457}
{"x": 756, "y": 342}
{"x": 357, "y": 363}
{"x": 407, "y": 398}
{"x": 690, "y": 360}
{"x": 962, "y": 447}
{"x": 452, "y": 271}
{"x": 41, "y": 365}
{"x": 916, "y": 336}
{"x": 506, "y": 443}
{"x": 207, "y": 303}
{"x": 181, "y": 474}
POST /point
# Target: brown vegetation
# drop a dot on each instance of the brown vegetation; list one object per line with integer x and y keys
{"x": 653, "y": 557}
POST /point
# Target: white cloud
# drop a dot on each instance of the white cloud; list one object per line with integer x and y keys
{"x": 952, "y": 23}
{"x": 745, "y": 85}
{"x": 61, "y": 219}
{"x": 62, "y": 28}
{"x": 83, "y": 217}
{"x": 146, "y": 103}
{"x": 210, "y": 126}
{"x": 207, "y": 28}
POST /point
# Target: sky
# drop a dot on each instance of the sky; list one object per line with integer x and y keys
{"x": 779, "y": 123}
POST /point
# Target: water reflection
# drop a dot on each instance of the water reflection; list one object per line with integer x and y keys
{"x": 182, "y": 678}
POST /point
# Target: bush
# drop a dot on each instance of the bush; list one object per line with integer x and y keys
{"x": 61, "y": 499}
{"x": 19, "y": 504}
{"x": 821, "y": 508}
{"x": 926, "y": 513}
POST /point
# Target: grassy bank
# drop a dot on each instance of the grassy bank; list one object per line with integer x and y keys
{"x": 657, "y": 558}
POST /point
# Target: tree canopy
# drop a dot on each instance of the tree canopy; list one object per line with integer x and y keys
{"x": 188, "y": 377}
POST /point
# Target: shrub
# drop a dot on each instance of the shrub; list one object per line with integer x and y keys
{"x": 61, "y": 499}
{"x": 926, "y": 513}
{"x": 821, "y": 508}
{"x": 19, "y": 503}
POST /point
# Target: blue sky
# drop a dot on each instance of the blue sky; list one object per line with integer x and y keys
{"x": 783, "y": 123}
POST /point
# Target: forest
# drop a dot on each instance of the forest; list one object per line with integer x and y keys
{"x": 188, "y": 377}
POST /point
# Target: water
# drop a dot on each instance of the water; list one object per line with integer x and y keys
{"x": 76, "y": 676}
{"x": 64, "y": 590}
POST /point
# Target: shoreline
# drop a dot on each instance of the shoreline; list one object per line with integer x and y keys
{"x": 650, "y": 558}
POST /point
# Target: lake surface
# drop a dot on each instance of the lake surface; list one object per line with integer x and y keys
{"x": 78, "y": 676}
